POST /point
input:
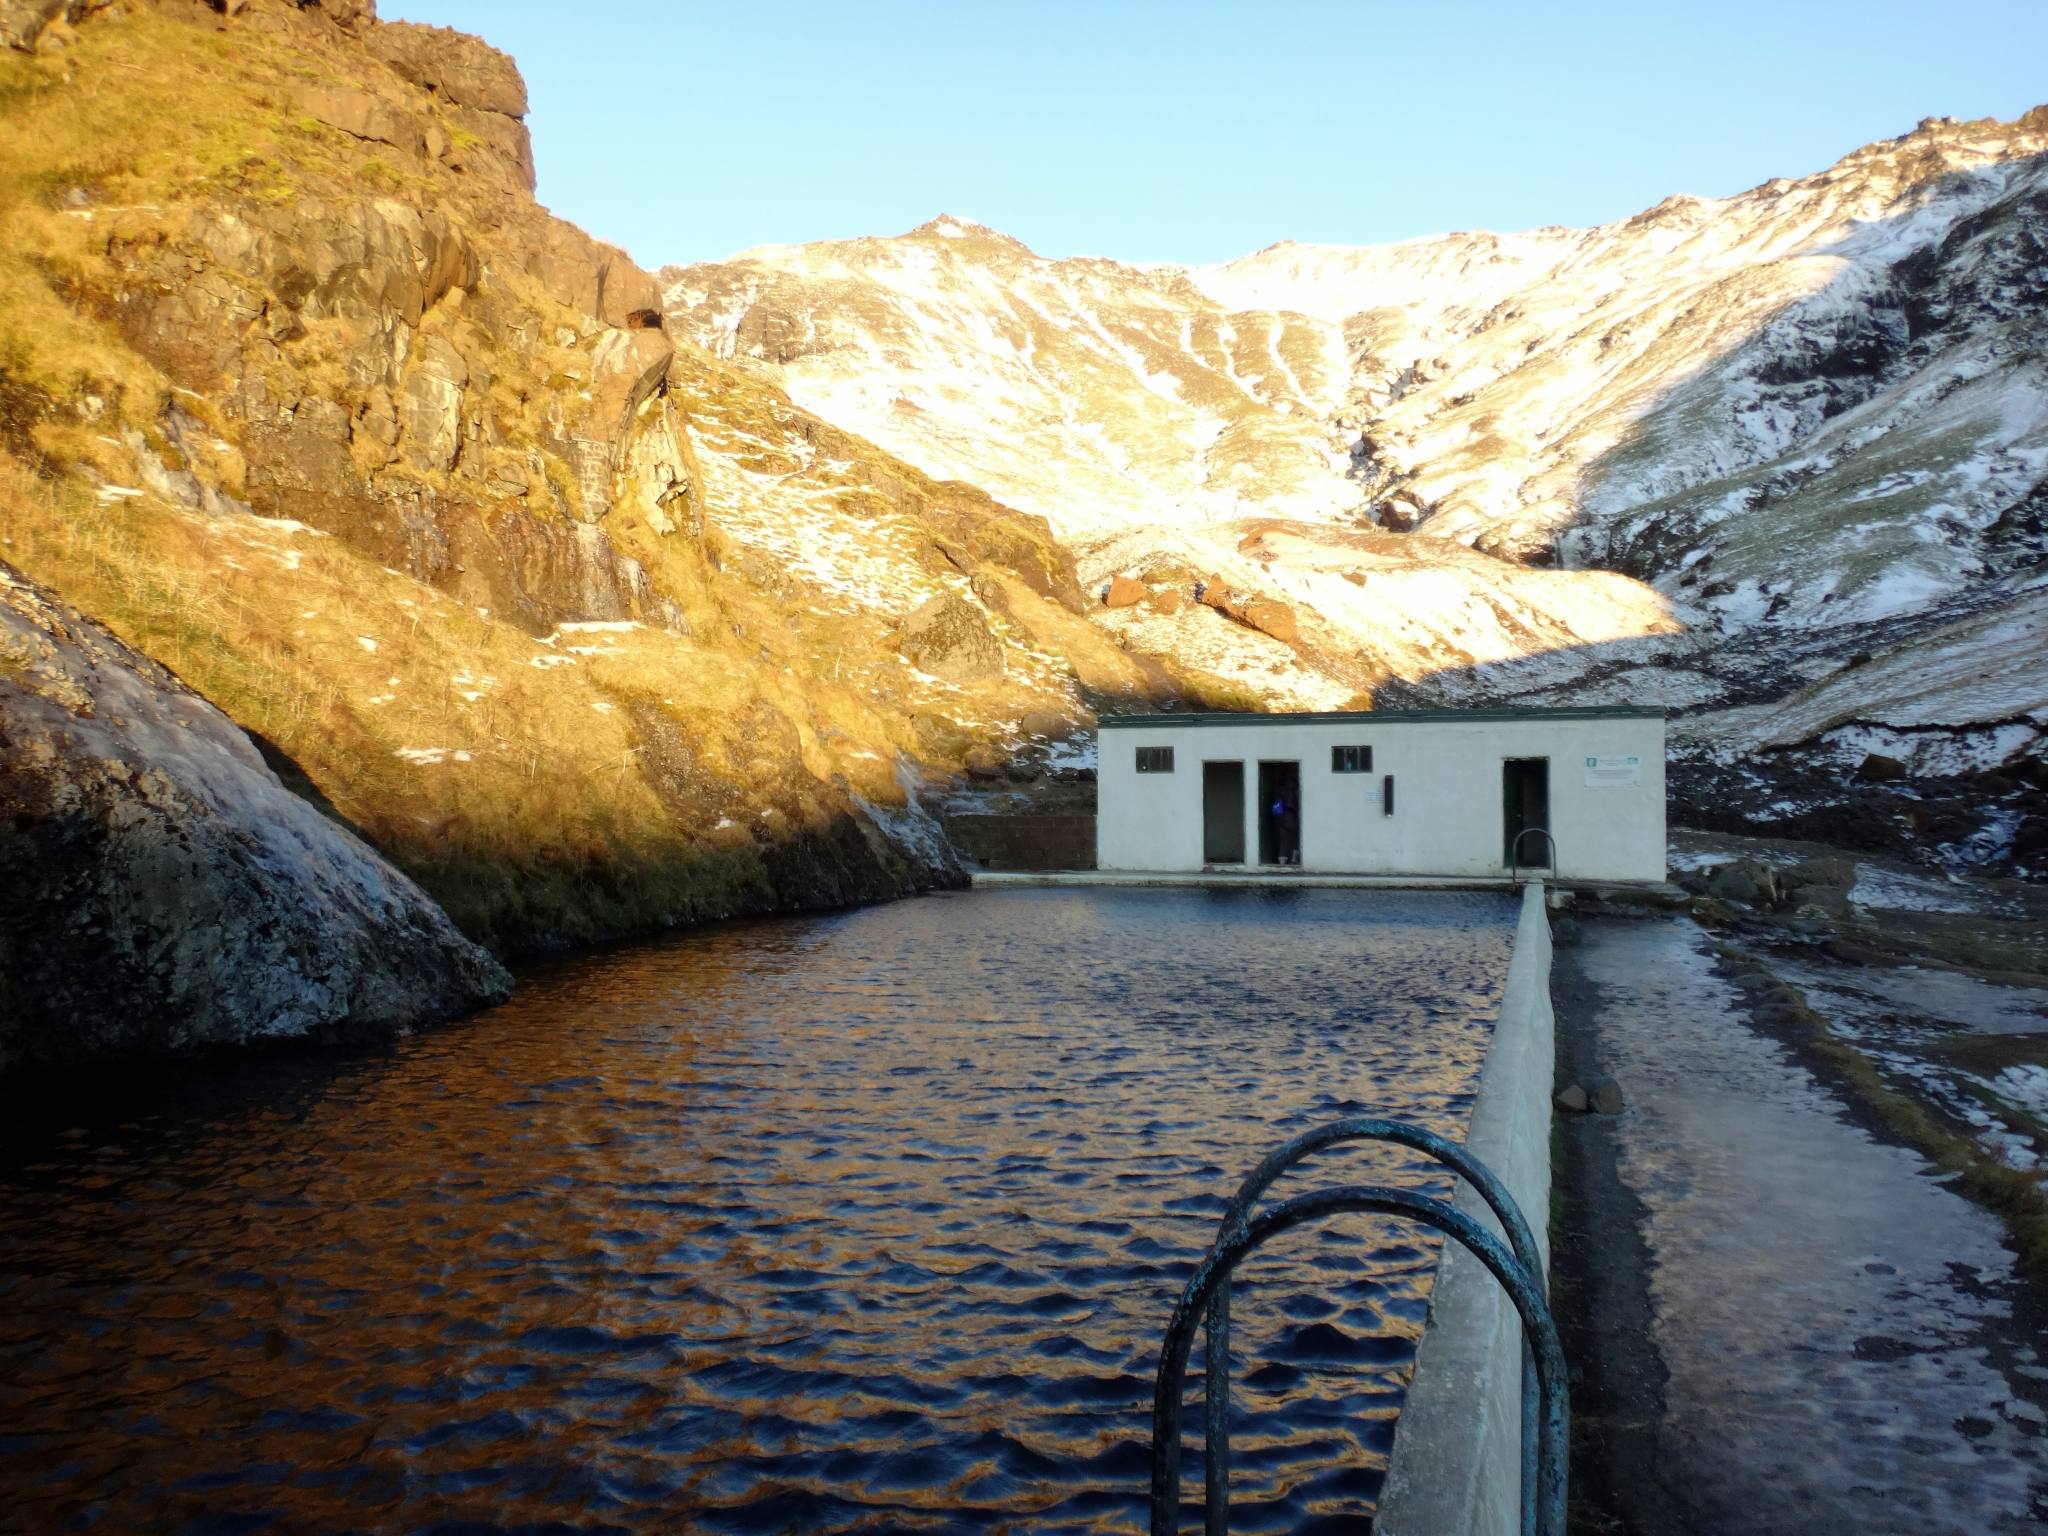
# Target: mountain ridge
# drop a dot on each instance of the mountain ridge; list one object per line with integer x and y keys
{"x": 1793, "y": 425}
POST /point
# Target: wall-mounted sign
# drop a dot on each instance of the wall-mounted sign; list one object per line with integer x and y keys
{"x": 1613, "y": 772}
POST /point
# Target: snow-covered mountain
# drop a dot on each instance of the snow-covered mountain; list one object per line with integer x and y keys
{"x": 1778, "y": 461}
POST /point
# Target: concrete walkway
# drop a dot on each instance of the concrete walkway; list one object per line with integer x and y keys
{"x": 1779, "y": 1321}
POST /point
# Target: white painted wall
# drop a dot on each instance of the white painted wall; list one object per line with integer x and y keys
{"x": 1447, "y": 816}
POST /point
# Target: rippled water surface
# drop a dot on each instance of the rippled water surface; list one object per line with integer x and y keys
{"x": 861, "y": 1222}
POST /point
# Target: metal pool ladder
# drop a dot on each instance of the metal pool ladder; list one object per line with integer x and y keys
{"x": 1546, "y": 1408}
{"x": 1515, "y": 869}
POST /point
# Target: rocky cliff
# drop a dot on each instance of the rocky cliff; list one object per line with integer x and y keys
{"x": 305, "y": 398}
{"x": 1776, "y": 461}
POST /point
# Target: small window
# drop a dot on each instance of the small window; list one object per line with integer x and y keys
{"x": 1387, "y": 796}
{"x": 1155, "y": 759}
{"x": 1351, "y": 759}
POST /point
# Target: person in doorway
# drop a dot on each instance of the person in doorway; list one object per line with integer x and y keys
{"x": 1286, "y": 831}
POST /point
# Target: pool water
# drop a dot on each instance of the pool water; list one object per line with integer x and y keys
{"x": 870, "y": 1221}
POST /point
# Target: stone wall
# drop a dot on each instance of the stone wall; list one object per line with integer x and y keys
{"x": 1025, "y": 842}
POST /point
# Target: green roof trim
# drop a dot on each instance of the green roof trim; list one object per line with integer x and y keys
{"x": 1371, "y": 717}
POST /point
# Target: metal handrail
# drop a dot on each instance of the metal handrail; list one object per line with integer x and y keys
{"x": 1216, "y": 1344}
{"x": 1515, "y": 863}
{"x": 1217, "y": 1265}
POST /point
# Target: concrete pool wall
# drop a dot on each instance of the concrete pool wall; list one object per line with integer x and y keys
{"x": 1455, "y": 1469}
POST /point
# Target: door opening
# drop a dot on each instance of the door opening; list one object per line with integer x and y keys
{"x": 1223, "y": 813}
{"x": 1279, "y": 813}
{"x": 1525, "y": 808}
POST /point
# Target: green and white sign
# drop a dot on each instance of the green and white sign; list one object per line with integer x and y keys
{"x": 1613, "y": 772}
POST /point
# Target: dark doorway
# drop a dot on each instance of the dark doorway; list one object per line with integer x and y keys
{"x": 1223, "y": 813}
{"x": 1279, "y": 813}
{"x": 1525, "y": 807}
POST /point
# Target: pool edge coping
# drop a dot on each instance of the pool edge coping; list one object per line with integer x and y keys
{"x": 1455, "y": 1467}
{"x": 994, "y": 879}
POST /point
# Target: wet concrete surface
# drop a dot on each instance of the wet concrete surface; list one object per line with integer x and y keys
{"x": 1973, "y": 1049}
{"x": 1779, "y": 1320}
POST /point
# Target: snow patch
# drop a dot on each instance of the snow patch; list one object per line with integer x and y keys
{"x": 2025, "y": 1087}
{"x": 1889, "y": 891}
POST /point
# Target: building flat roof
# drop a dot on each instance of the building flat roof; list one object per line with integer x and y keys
{"x": 1371, "y": 717}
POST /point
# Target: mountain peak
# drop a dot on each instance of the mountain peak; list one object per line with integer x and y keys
{"x": 948, "y": 226}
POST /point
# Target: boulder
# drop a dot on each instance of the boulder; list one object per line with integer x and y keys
{"x": 1748, "y": 881}
{"x": 1825, "y": 872}
{"x": 1124, "y": 593}
{"x": 1043, "y": 722}
{"x": 983, "y": 763}
{"x": 462, "y": 70}
{"x": 160, "y": 888}
{"x": 948, "y": 638}
{"x": 1876, "y": 768}
{"x": 1571, "y": 1099}
{"x": 1269, "y": 618}
{"x": 23, "y": 22}
{"x": 1603, "y": 1096}
{"x": 1168, "y": 601}
{"x": 1263, "y": 614}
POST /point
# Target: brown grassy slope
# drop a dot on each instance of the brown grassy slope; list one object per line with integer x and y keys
{"x": 392, "y": 427}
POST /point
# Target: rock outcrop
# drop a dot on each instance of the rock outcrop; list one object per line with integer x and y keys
{"x": 462, "y": 70}
{"x": 161, "y": 890}
{"x": 1264, "y": 614}
{"x": 588, "y": 632}
{"x": 948, "y": 638}
{"x": 22, "y": 22}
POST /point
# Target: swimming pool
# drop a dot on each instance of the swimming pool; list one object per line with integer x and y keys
{"x": 862, "y": 1221}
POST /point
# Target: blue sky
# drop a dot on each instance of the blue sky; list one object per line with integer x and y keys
{"x": 1195, "y": 132}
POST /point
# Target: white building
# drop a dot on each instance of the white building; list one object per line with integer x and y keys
{"x": 1394, "y": 792}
